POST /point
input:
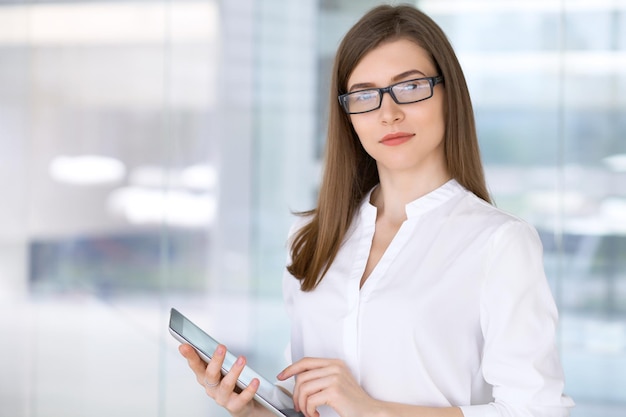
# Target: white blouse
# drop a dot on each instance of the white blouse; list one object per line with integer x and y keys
{"x": 457, "y": 312}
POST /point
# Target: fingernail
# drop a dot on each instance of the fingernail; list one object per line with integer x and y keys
{"x": 220, "y": 350}
{"x": 240, "y": 360}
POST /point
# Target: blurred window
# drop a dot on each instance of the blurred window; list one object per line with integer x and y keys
{"x": 154, "y": 152}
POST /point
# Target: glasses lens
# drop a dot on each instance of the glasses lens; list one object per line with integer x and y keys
{"x": 411, "y": 91}
{"x": 362, "y": 101}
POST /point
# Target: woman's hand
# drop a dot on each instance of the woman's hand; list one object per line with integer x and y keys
{"x": 327, "y": 382}
{"x": 223, "y": 389}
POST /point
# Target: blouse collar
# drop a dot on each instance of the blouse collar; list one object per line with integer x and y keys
{"x": 420, "y": 205}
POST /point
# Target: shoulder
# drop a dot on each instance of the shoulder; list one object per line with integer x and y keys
{"x": 474, "y": 206}
{"x": 486, "y": 219}
{"x": 512, "y": 245}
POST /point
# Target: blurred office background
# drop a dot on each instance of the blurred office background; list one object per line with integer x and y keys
{"x": 152, "y": 153}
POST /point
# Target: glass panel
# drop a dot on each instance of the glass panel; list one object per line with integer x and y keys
{"x": 111, "y": 191}
{"x": 153, "y": 152}
{"x": 546, "y": 79}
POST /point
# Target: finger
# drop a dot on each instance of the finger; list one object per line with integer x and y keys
{"x": 305, "y": 364}
{"x": 313, "y": 382}
{"x": 313, "y": 402}
{"x": 291, "y": 370}
{"x": 213, "y": 371}
{"x": 315, "y": 390}
{"x": 314, "y": 375}
{"x": 246, "y": 395}
{"x": 310, "y": 396}
{"x": 190, "y": 353}
{"x": 300, "y": 396}
{"x": 197, "y": 365}
{"x": 229, "y": 382}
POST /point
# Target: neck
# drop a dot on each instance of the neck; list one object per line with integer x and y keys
{"x": 396, "y": 191}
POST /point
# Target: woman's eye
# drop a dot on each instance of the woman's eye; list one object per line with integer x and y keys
{"x": 411, "y": 86}
{"x": 365, "y": 96}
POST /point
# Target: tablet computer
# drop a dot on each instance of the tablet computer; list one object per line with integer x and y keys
{"x": 268, "y": 394}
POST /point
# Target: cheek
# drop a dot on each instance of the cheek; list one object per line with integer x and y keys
{"x": 432, "y": 119}
{"x": 439, "y": 123}
{"x": 361, "y": 128}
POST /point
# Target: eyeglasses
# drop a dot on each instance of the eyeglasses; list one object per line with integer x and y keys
{"x": 404, "y": 92}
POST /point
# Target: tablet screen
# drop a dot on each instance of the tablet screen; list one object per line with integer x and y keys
{"x": 188, "y": 332}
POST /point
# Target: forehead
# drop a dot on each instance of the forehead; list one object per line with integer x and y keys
{"x": 389, "y": 59}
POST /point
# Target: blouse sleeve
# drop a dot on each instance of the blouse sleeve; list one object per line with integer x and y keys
{"x": 518, "y": 321}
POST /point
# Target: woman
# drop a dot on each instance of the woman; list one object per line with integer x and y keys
{"x": 409, "y": 294}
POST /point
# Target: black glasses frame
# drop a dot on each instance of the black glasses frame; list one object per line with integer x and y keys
{"x": 433, "y": 81}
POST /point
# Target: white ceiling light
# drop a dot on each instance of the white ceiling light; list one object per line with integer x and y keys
{"x": 609, "y": 220}
{"x": 149, "y": 176}
{"x": 202, "y": 177}
{"x": 614, "y": 210}
{"x": 553, "y": 202}
{"x": 616, "y": 162}
{"x": 87, "y": 169}
{"x": 533, "y": 6}
{"x": 153, "y": 206}
{"x": 108, "y": 22}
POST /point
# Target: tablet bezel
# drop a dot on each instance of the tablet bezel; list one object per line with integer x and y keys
{"x": 267, "y": 393}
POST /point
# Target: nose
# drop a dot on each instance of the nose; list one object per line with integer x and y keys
{"x": 390, "y": 112}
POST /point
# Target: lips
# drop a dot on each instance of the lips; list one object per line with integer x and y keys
{"x": 398, "y": 138}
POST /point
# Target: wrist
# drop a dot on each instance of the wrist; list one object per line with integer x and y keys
{"x": 259, "y": 411}
{"x": 380, "y": 409}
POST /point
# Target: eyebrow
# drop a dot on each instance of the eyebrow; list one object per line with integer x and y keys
{"x": 394, "y": 80}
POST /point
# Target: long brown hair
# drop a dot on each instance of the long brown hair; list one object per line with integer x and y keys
{"x": 349, "y": 172}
